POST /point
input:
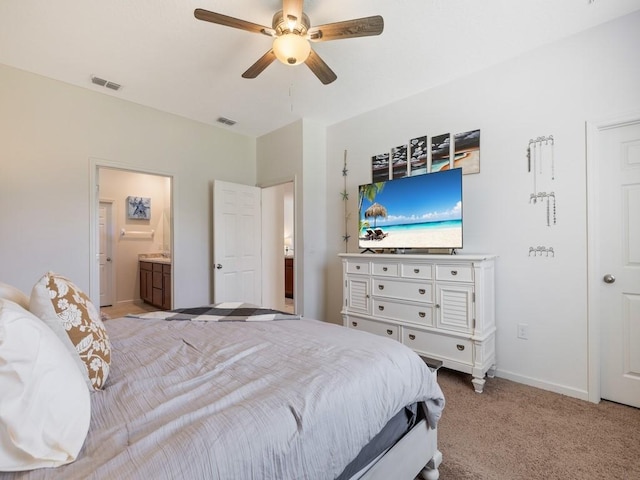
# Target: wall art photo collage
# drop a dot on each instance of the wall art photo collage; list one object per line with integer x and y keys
{"x": 461, "y": 150}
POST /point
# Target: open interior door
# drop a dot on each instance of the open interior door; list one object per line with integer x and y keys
{"x": 237, "y": 243}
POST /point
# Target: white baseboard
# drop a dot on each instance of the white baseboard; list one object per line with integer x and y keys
{"x": 544, "y": 385}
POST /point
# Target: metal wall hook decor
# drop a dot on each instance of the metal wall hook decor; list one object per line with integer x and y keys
{"x": 541, "y": 251}
{"x": 551, "y": 209}
{"x": 541, "y": 163}
{"x": 534, "y": 153}
{"x": 536, "y": 158}
{"x": 552, "y": 214}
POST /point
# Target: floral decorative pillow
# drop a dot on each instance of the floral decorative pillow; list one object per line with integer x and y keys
{"x": 76, "y": 321}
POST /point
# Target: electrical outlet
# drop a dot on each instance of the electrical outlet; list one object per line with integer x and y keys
{"x": 523, "y": 331}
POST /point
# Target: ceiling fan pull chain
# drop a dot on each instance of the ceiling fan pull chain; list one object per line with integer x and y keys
{"x": 291, "y": 97}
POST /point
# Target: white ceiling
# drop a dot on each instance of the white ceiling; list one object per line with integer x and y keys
{"x": 166, "y": 59}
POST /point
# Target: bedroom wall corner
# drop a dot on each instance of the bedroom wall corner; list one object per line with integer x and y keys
{"x": 50, "y": 130}
{"x": 552, "y": 90}
{"x": 298, "y": 151}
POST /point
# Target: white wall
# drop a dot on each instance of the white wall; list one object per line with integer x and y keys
{"x": 312, "y": 260}
{"x": 550, "y": 91}
{"x": 279, "y": 160}
{"x": 297, "y": 151}
{"x": 49, "y": 131}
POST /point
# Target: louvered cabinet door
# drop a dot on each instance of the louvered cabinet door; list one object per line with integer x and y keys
{"x": 357, "y": 298}
{"x": 454, "y": 307}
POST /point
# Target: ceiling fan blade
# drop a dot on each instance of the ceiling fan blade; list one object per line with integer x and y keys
{"x": 359, "y": 27}
{"x": 227, "y": 21}
{"x": 292, "y": 8}
{"x": 263, "y": 62}
{"x": 320, "y": 69}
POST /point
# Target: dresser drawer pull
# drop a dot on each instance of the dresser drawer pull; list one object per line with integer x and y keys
{"x": 454, "y": 272}
{"x": 412, "y": 336}
{"x": 389, "y": 331}
{"x": 355, "y": 324}
{"x": 437, "y": 305}
{"x": 380, "y": 287}
{"x": 384, "y": 269}
{"x": 380, "y": 307}
{"x": 357, "y": 267}
{"x": 460, "y": 347}
{"x": 416, "y": 270}
{"x": 421, "y": 291}
{"x": 421, "y": 314}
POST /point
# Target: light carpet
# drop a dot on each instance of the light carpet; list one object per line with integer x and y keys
{"x": 512, "y": 431}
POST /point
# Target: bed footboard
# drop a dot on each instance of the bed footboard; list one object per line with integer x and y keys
{"x": 415, "y": 454}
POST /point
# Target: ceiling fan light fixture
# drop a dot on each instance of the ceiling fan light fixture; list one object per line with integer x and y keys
{"x": 291, "y": 48}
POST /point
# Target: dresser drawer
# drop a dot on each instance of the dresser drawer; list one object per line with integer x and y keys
{"x": 421, "y": 314}
{"x": 414, "y": 291}
{"x": 454, "y": 273}
{"x": 379, "y": 328}
{"x": 411, "y": 270}
{"x": 358, "y": 267}
{"x": 385, "y": 269}
{"x": 439, "y": 346}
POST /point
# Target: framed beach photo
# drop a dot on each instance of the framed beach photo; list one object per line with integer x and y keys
{"x": 138, "y": 208}
{"x": 440, "y": 152}
{"x": 380, "y": 167}
{"x": 466, "y": 151}
{"x": 419, "y": 153}
{"x": 399, "y": 165}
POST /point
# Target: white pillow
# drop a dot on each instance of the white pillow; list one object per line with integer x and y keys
{"x": 12, "y": 293}
{"x": 45, "y": 407}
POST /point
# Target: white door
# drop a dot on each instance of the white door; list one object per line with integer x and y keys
{"x": 236, "y": 243}
{"x": 615, "y": 278}
{"x": 105, "y": 253}
{"x": 273, "y": 248}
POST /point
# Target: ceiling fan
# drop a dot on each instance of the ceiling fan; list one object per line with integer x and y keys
{"x": 292, "y": 32}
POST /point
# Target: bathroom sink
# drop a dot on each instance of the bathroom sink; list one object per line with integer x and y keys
{"x": 154, "y": 258}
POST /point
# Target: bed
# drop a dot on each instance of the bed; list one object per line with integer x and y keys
{"x": 240, "y": 392}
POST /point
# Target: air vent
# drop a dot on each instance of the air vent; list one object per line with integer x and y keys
{"x": 105, "y": 83}
{"x": 99, "y": 81}
{"x": 226, "y": 121}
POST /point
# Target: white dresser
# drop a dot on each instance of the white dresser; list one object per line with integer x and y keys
{"x": 441, "y": 306}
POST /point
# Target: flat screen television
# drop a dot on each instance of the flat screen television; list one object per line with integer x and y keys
{"x": 423, "y": 211}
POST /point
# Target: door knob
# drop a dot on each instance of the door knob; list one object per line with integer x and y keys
{"x": 218, "y": 266}
{"x": 608, "y": 278}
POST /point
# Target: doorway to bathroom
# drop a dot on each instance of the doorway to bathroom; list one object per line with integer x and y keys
{"x": 133, "y": 222}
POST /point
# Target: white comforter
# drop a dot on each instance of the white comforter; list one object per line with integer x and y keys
{"x": 292, "y": 399}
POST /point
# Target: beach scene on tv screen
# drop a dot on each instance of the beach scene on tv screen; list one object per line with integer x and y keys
{"x": 424, "y": 211}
